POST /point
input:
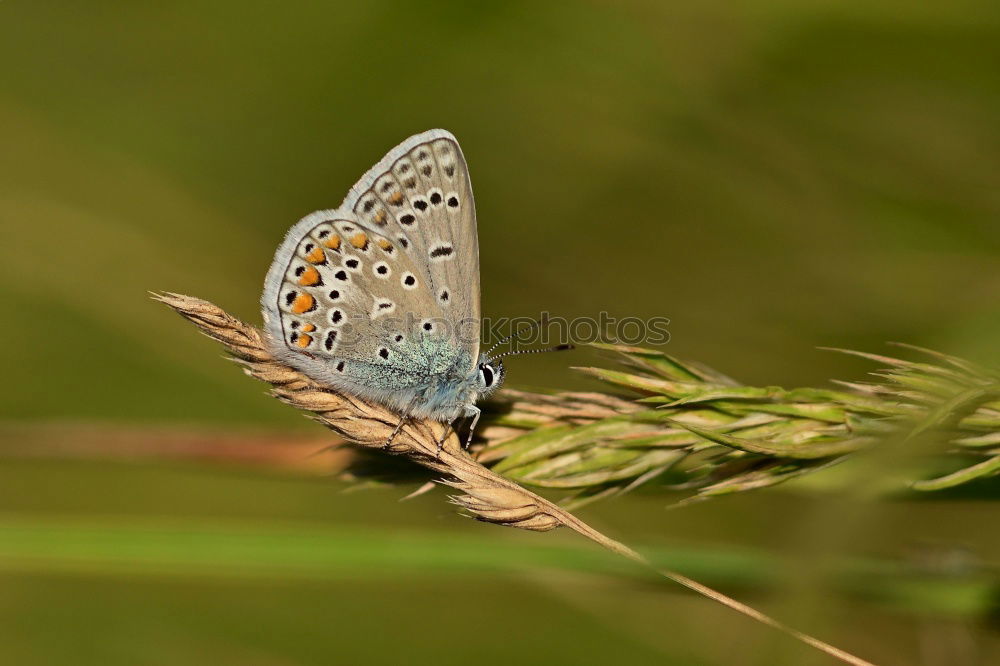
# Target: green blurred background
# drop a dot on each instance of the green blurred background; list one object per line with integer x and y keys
{"x": 770, "y": 175}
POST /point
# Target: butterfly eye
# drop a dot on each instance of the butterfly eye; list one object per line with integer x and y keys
{"x": 486, "y": 372}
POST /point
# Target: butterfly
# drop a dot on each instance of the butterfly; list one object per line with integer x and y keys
{"x": 379, "y": 298}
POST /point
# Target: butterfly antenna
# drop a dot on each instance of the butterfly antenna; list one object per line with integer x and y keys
{"x": 563, "y": 347}
{"x": 515, "y": 335}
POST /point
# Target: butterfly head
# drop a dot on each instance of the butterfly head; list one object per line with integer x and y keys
{"x": 490, "y": 370}
{"x": 491, "y": 375}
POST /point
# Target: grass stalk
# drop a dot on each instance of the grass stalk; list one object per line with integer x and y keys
{"x": 485, "y": 494}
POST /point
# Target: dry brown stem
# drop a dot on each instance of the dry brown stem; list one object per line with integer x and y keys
{"x": 485, "y": 495}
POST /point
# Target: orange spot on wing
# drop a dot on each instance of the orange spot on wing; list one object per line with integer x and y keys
{"x": 359, "y": 240}
{"x": 302, "y": 303}
{"x": 309, "y": 277}
{"x": 308, "y": 328}
{"x": 303, "y": 341}
{"x": 396, "y": 198}
{"x": 316, "y": 256}
{"x": 380, "y": 216}
{"x": 333, "y": 242}
{"x": 384, "y": 244}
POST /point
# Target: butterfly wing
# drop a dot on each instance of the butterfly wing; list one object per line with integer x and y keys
{"x": 420, "y": 194}
{"x": 354, "y": 299}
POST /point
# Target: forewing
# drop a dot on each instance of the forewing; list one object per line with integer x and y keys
{"x": 420, "y": 195}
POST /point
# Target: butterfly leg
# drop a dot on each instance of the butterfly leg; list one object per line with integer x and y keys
{"x": 475, "y": 413}
{"x": 451, "y": 429}
{"x": 399, "y": 426}
{"x": 470, "y": 410}
{"x": 444, "y": 436}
